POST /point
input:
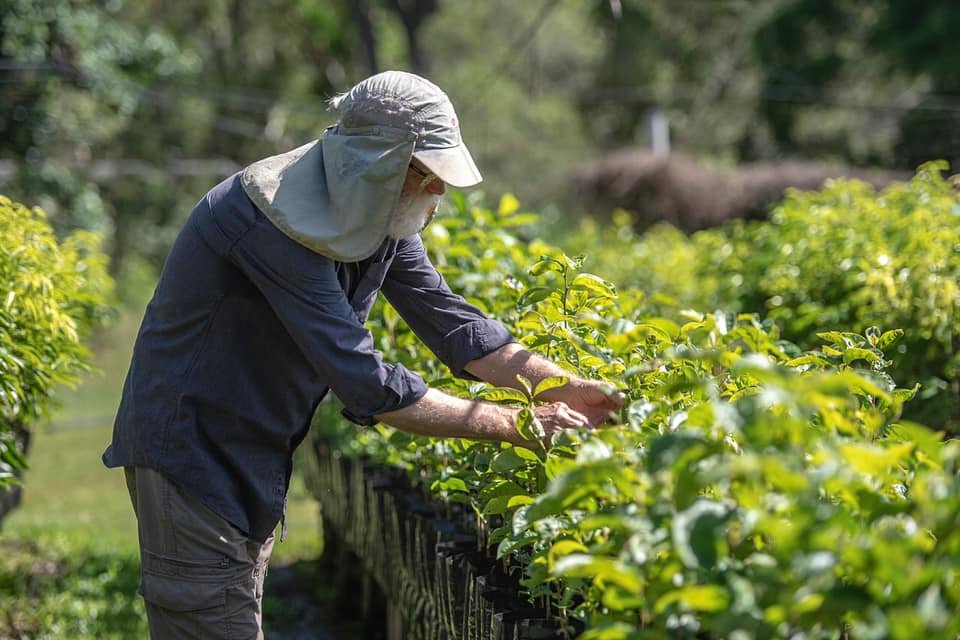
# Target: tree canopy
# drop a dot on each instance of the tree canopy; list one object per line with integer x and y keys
{"x": 118, "y": 115}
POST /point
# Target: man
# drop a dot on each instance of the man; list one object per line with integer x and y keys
{"x": 259, "y": 312}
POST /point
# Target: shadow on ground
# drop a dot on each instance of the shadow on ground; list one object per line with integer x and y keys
{"x": 297, "y": 603}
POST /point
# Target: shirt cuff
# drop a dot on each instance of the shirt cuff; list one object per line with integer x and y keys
{"x": 401, "y": 388}
{"x": 471, "y": 341}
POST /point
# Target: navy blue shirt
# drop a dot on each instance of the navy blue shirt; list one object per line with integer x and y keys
{"x": 245, "y": 334}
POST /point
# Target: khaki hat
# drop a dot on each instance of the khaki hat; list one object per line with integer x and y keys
{"x": 407, "y": 101}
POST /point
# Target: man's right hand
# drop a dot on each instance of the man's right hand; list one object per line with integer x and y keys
{"x": 555, "y": 417}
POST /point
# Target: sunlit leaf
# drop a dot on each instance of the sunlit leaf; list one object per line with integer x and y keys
{"x": 548, "y": 383}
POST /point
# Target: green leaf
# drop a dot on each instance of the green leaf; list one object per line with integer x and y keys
{"x": 506, "y": 488}
{"x": 525, "y": 384}
{"x": 552, "y": 382}
{"x": 665, "y": 450}
{"x": 496, "y": 506}
{"x": 602, "y": 570}
{"x": 504, "y": 394}
{"x": 856, "y": 353}
{"x": 566, "y": 547}
{"x": 873, "y": 459}
{"x": 507, "y": 460}
{"x": 593, "y": 285}
{"x": 528, "y": 426}
{"x": 508, "y": 204}
{"x": 526, "y": 454}
{"x": 519, "y": 501}
{"x": 613, "y": 631}
{"x": 905, "y": 395}
{"x": 834, "y": 337}
{"x": 928, "y": 441}
{"x": 515, "y": 542}
{"x": 889, "y": 338}
{"x": 546, "y": 264}
{"x": 450, "y": 484}
{"x": 809, "y": 359}
{"x": 533, "y": 295}
{"x": 580, "y": 482}
{"x": 520, "y": 220}
{"x": 707, "y": 598}
{"x": 699, "y": 532}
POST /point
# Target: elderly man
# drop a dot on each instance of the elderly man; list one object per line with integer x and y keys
{"x": 259, "y": 312}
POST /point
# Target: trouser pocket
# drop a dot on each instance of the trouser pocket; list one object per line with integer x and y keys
{"x": 200, "y": 576}
{"x": 181, "y": 593}
{"x": 185, "y": 599}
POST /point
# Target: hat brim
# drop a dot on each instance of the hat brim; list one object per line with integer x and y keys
{"x": 453, "y": 165}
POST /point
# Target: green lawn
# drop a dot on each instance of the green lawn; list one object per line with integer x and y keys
{"x": 69, "y": 563}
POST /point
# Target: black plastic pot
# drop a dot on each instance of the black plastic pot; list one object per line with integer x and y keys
{"x": 423, "y": 556}
{"x": 11, "y": 497}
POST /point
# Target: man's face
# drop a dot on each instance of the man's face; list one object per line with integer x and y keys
{"x": 418, "y": 203}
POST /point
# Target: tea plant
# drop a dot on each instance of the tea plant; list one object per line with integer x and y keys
{"x": 845, "y": 256}
{"x": 749, "y": 489}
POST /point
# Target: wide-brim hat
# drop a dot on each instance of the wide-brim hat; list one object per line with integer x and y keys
{"x": 408, "y": 101}
{"x": 338, "y": 195}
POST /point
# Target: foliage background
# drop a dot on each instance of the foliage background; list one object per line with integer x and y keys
{"x": 116, "y": 116}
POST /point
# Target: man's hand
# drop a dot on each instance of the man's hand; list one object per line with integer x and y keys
{"x": 554, "y": 417}
{"x": 597, "y": 401}
{"x": 594, "y": 400}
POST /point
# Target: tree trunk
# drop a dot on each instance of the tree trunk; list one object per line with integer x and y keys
{"x": 10, "y": 498}
{"x": 413, "y": 13}
{"x": 361, "y": 15}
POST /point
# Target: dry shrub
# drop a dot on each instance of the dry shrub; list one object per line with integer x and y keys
{"x": 677, "y": 189}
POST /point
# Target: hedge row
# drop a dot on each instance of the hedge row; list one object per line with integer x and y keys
{"x": 52, "y": 292}
{"x": 846, "y": 256}
{"x": 750, "y": 489}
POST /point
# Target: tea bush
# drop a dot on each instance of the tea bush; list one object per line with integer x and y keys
{"x": 749, "y": 489}
{"x": 844, "y": 256}
{"x": 52, "y": 293}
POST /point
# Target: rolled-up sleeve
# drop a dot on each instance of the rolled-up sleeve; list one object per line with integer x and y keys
{"x": 453, "y": 329}
{"x": 302, "y": 289}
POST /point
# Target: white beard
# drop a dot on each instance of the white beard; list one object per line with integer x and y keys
{"x": 412, "y": 214}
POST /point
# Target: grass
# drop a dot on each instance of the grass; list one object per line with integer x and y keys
{"x": 69, "y": 561}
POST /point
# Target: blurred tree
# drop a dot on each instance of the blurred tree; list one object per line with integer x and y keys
{"x": 117, "y": 115}
{"x": 514, "y": 71}
{"x": 693, "y": 59}
{"x": 413, "y": 14}
{"x": 68, "y": 73}
{"x": 837, "y": 80}
{"x": 105, "y": 97}
{"x": 832, "y": 87}
{"x": 919, "y": 36}
{"x": 72, "y": 74}
{"x": 364, "y": 21}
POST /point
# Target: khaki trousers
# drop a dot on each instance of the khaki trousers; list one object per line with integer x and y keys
{"x": 199, "y": 576}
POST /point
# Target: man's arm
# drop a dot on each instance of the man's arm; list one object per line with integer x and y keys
{"x": 440, "y": 415}
{"x": 453, "y": 329}
{"x": 472, "y": 344}
{"x": 595, "y": 400}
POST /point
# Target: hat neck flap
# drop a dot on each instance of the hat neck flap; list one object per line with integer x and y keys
{"x": 336, "y": 195}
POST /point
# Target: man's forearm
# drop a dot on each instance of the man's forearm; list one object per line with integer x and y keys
{"x": 595, "y": 400}
{"x": 502, "y": 366}
{"x": 444, "y": 416}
